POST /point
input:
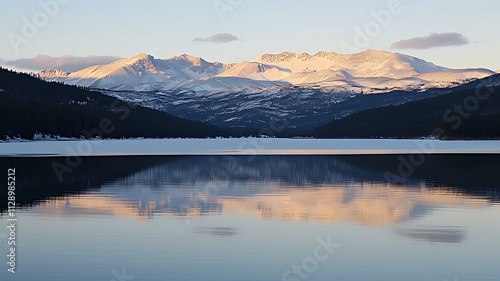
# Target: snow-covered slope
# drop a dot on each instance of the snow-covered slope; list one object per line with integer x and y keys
{"x": 227, "y": 83}
{"x": 370, "y": 71}
{"x": 141, "y": 73}
{"x": 452, "y": 77}
{"x": 256, "y": 71}
{"x": 370, "y": 63}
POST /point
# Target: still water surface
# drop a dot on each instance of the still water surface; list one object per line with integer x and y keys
{"x": 257, "y": 218}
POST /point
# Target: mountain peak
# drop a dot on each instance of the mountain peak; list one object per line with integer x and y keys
{"x": 304, "y": 56}
{"x": 326, "y": 55}
{"x": 139, "y": 57}
{"x": 284, "y": 57}
{"x": 182, "y": 56}
{"x": 142, "y": 56}
{"x": 50, "y": 73}
{"x": 374, "y": 52}
{"x": 196, "y": 61}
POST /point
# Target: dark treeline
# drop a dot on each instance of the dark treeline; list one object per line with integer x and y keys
{"x": 29, "y": 105}
{"x": 466, "y": 114}
{"x": 468, "y": 173}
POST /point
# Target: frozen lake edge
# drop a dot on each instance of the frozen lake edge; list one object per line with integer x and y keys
{"x": 243, "y": 146}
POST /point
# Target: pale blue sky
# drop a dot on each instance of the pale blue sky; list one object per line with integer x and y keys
{"x": 167, "y": 28}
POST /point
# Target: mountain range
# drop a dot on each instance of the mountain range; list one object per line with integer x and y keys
{"x": 365, "y": 72}
{"x": 302, "y": 90}
{"x": 30, "y": 106}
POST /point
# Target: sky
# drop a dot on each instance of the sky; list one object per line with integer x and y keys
{"x": 448, "y": 33}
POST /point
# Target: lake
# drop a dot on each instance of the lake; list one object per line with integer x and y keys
{"x": 378, "y": 217}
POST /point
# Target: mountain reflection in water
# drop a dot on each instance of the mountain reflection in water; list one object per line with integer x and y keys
{"x": 317, "y": 189}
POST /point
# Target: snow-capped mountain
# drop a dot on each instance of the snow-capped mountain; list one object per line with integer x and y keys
{"x": 368, "y": 71}
{"x": 370, "y": 63}
{"x": 302, "y": 89}
{"x": 142, "y": 73}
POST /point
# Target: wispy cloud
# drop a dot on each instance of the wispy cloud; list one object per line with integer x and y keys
{"x": 218, "y": 38}
{"x": 433, "y": 40}
{"x": 66, "y": 63}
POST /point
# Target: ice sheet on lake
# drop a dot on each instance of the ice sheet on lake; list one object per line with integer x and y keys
{"x": 245, "y": 146}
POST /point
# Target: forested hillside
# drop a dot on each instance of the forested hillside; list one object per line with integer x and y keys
{"x": 465, "y": 114}
{"x": 29, "y": 105}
